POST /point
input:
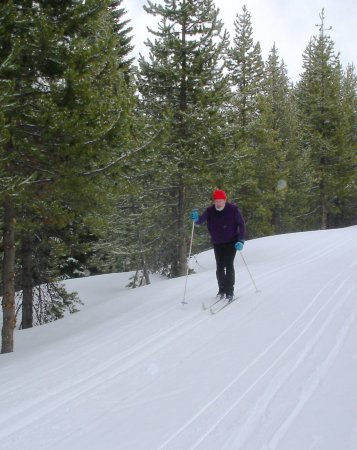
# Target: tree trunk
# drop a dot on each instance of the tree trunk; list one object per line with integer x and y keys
{"x": 27, "y": 282}
{"x": 8, "y": 301}
{"x": 181, "y": 251}
{"x": 323, "y": 205}
{"x": 323, "y": 215}
{"x": 143, "y": 259}
{"x": 182, "y": 256}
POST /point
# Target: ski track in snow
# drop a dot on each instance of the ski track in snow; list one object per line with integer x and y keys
{"x": 93, "y": 343}
{"x": 227, "y": 391}
{"x": 117, "y": 365}
{"x": 306, "y": 258}
{"x": 318, "y": 374}
{"x": 284, "y": 373}
{"x": 218, "y": 423}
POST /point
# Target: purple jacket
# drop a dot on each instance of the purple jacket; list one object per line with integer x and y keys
{"x": 224, "y": 226}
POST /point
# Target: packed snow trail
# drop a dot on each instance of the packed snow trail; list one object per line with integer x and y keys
{"x": 228, "y": 388}
{"x": 136, "y": 371}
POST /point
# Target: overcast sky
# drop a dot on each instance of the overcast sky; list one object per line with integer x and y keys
{"x": 288, "y": 23}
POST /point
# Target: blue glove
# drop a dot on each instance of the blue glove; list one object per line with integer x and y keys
{"x": 194, "y": 214}
{"x": 239, "y": 245}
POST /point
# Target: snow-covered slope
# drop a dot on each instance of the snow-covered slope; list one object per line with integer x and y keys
{"x": 134, "y": 370}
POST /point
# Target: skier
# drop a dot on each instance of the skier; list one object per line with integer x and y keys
{"x": 226, "y": 227}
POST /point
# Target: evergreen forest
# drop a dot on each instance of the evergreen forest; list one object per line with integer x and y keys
{"x": 104, "y": 156}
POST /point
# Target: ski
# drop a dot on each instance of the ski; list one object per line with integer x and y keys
{"x": 218, "y": 308}
{"x": 205, "y": 306}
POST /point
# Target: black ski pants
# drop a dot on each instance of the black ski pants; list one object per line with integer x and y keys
{"x": 225, "y": 254}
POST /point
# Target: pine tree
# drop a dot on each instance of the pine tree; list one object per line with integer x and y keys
{"x": 65, "y": 112}
{"x": 183, "y": 88}
{"x": 246, "y": 71}
{"x": 319, "y": 93}
{"x": 287, "y": 172}
{"x": 347, "y": 202}
{"x": 121, "y": 30}
{"x": 246, "y": 125}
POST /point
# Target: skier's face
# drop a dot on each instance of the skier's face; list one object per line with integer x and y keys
{"x": 219, "y": 204}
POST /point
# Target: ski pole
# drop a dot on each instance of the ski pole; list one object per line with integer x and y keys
{"x": 188, "y": 261}
{"x": 246, "y": 265}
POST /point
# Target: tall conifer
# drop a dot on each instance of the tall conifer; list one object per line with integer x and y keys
{"x": 65, "y": 108}
{"x": 319, "y": 95}
{"x": 246, "y": 75}
{"x": 183, "y": 88}
{"x": 287, "y": 170}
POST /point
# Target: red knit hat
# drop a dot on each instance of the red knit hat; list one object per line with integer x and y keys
{"x": 218, "y": 194}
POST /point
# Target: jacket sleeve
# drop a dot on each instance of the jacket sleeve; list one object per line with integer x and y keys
{"x": 241, "y": 225}
{"x": 202, "y": 218}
